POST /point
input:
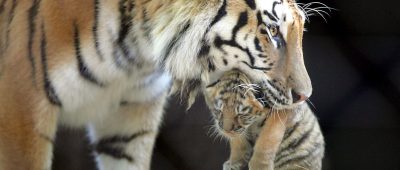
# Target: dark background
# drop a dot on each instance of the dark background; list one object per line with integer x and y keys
{"x": 354, "y": 62}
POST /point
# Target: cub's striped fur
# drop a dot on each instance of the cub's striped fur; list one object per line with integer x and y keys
{"x": 108, "y": 65}
{"x": 269, "y": 138}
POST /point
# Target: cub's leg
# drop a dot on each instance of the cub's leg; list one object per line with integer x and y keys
{"x": 240, "y": 153}
{"x": 27, "y": 130}
{"x": 124, "y": 140}
{"x": 268, "y": 142}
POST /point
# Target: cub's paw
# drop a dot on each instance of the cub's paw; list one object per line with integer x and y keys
{"x": 259, "y": 165}
{"x": 232, "y": 166}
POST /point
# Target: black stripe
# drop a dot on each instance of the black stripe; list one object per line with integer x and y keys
{"x": 113, "y": 151}
{"x": 220, "y": 14}
{"x": 270, "y": 16}
{"x": 33, "y": 11}
{"x": 125, "y": 26}
{"x": 121, "y": 139}
{"x": 259, "y": 18}
{"x": 213, "y": 84}
{"x": 225, "y": 61}
{"x": 112, "y": 145}
{"x": 204, "y": 50}
{"x": 257, "y": 44}
{"x": 251, "y": 4}
{"x": 312, "y": 153}
{"x": 273, "y": 8}
{"x": 175, "y": 39}
{"x": 264, "y": 31}
{"x": 83, "y": 69}
{"x": 242, "y": 21}
{"x": 95, "y": 30}
{"x": 298, "y": 142}
{"x": 257, "y": 68}
{"x": 291, "y": 160}
{"x": 211, "y": 65}
{"x": 290, "y": 131}
{"x": 125, "y": 21}
{"x": 251, "y": 58}
{"x": 48, "y": 87}
{"x": 219, "y": 42}
{"x": 10, "y": 19}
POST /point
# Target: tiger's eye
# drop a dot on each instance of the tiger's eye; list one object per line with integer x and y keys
{"x": 273, "y": 30}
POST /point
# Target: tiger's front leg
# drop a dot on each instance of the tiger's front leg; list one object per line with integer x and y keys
{"x": 124, "y": 140}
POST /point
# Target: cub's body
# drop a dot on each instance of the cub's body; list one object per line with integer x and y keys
{"x": 260, "y": 135}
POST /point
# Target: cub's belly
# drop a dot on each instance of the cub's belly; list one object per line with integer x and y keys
{"x": 83, "y": 102}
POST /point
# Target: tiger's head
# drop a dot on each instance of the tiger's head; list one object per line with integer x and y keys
{"x": 263, "y": 39}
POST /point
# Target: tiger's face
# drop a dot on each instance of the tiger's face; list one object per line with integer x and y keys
{"x": 263, "y": 39}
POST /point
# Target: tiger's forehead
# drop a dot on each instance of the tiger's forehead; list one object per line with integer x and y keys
{"x": 278, "y": 11}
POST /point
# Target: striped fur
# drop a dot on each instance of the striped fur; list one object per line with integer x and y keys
{"x": 269, "y": 138}
{"x": 108, "y": 66}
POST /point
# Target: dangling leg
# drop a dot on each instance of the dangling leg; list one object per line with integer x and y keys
{"x": 240, "y": 153}
{"x": 125, "y": 140}
{"x": 268, "y": 142}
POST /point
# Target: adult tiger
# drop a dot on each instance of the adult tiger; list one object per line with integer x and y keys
{"x": 109, "y": 64}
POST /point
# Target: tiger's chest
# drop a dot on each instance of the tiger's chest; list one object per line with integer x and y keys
{"x": 105, "y": 91}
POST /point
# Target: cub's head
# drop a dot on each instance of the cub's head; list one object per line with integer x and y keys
{"x": 263, "y": 39}
{"x": 234, "y": 103}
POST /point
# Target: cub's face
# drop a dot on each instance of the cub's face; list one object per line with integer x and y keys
{"x": 234, "y": 103}
{"x": 263, "y": 39}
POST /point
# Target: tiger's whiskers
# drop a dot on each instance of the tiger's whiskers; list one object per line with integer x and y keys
{"x": 315, "y": 11}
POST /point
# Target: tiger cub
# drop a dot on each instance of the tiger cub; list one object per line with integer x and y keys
{"x": 270, "y": 138}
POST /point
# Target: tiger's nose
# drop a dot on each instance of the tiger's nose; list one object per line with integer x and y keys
{"x": 298, "y": 97}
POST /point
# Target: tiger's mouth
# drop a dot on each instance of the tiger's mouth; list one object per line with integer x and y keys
{"x": 273, "y": 97}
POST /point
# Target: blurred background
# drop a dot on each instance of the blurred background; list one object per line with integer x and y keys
{"x": 354, "y": 63}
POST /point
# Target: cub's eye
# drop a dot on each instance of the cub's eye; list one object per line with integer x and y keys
{"x": 273, "y": 29}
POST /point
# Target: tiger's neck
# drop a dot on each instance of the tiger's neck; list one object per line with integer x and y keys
{"x": 168, "y": 33}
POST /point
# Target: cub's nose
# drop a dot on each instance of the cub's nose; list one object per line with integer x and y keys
{"x": 298, "y": 97}
{"x": 228, "y": 124}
